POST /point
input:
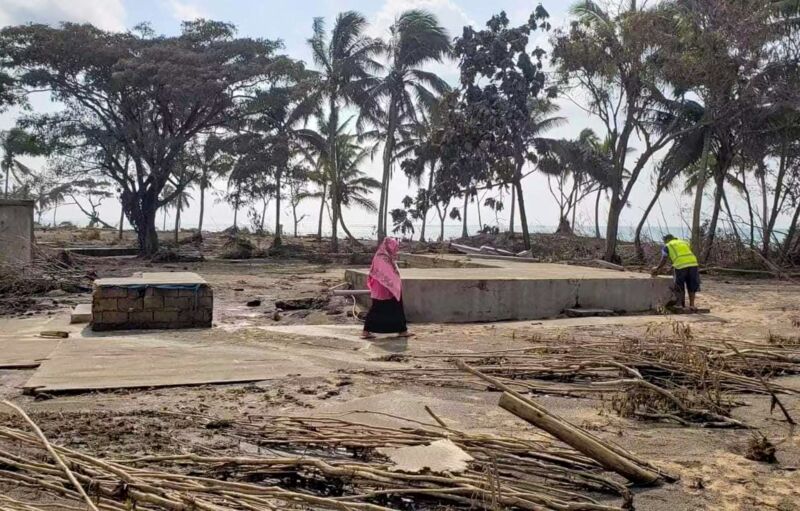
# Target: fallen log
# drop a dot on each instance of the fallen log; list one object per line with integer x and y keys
{"x": 575, "y": 438}
{"x": 611, "y": 457}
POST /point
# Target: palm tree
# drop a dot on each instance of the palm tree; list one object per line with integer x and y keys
{"x": 417, "y": 140}
{"x": 354, "y": 186}
{"x": 17, "y": 142}
{"x": 580, "y": 161}
{"x": 276, "y": 118}
{"x": 416, "y": 38}
{"x": 540, "y": 120}
{"x": 211, "y": 162}
{"x": 347, "y": 61}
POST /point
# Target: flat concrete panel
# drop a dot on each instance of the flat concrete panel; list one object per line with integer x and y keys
{"x": 177, "y": 278}
{"x": 16, "y": 231}
{"x": 135, "y": 362}
{"x": 25, "y": 353}
{"x": 446, "y": 291}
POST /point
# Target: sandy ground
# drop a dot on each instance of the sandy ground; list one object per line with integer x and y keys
{"x": 714, "y": 473}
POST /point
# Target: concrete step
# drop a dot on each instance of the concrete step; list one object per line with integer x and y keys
{"x": 82, "y": 313}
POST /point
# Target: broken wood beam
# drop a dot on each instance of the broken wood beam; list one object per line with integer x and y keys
{"x": 575, "y": 438}
{"x": 608, "y": 455}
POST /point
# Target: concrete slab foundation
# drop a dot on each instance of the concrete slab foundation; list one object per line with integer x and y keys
{"x": 25, "y": 353}
{"x": 16, "y": 231}
{"x": 152, "y": 300}
{"x": 454, "y": 289}
{"x": 115, "y": 363}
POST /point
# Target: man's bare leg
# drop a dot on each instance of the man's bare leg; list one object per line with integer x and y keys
{"x": 691, "y": 301}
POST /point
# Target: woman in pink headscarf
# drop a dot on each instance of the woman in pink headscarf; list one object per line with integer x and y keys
{"x": 386, "y": 290}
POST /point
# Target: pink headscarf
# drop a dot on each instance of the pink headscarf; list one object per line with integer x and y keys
{"x": 384, "y": 279}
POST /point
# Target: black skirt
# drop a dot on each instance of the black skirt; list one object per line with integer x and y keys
{"x": 386, "y": 317}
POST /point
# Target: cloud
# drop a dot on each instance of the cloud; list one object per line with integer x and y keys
{"x": 106, "y": 14}
{"x": 186, "y": 11}
{"x": 450, "y": 15}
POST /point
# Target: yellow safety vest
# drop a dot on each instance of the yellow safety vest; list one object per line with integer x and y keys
{"x": 681, "y": 255}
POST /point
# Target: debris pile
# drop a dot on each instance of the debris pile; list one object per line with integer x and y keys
{"x": 676, "y": 378}
{"x": 56, "y": 274}
{"x": 322, "y": 463}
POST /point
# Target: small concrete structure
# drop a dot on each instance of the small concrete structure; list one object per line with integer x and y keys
{"x": 82, "y": 313}
{"x": 455, "y": 289}
{"x": 16, "y": 231}
{"x": 152, "y": 300}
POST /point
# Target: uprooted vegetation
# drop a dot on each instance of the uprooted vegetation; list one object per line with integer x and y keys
{"x": 674, "y": 377}
{"x": 319, "y": 463}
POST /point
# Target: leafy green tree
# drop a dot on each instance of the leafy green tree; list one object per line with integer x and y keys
{"x": 488, "y": 125}
{"x": 604, "y": 59}
{"x": 271, "y": 133}
{"x": 132, "y": 96}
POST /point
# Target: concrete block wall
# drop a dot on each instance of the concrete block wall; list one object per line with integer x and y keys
{"x": 16, "y": 231}
{"x": 146, "y": 307}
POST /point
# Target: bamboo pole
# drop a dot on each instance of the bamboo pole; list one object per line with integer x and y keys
{"x": 53, "y": 453}
{"x": 611, "y": 458}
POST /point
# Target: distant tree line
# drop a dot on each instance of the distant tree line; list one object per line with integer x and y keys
{"x": 701, "y": 92}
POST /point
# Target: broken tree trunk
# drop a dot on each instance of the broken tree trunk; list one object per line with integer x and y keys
{"x": 609, "y": 456}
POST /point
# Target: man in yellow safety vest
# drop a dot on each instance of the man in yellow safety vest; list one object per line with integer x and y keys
{"x": 684, "y": 266}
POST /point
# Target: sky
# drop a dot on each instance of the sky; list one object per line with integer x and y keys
{"x": 290, "y": 21}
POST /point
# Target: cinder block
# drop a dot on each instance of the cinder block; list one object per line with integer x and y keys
{"x": 153, "y": 302}
{"x": 171, "y": 302}
{"x": 165, "y": 316}
{"x": 104, "y": 304}
{"x": 112, "y": 317}
{"x": 130, "y": 304}
{"x": 136, "y": 292}
{"x": 112, "y": 292}
{"x": 141, "y": 316}
{"x": 203, "y": 315}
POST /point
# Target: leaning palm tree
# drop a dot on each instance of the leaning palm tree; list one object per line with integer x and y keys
{"x": 347, "y": 62}
{"x": 354, "y": 185}
{"x": 416, "y": 38}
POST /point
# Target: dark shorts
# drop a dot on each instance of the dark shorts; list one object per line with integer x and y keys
{"x": 687, "y": 279}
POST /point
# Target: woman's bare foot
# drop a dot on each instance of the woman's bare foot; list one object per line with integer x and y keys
{"x": 367, "y": 335}
{"x": 405, "y": 334}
